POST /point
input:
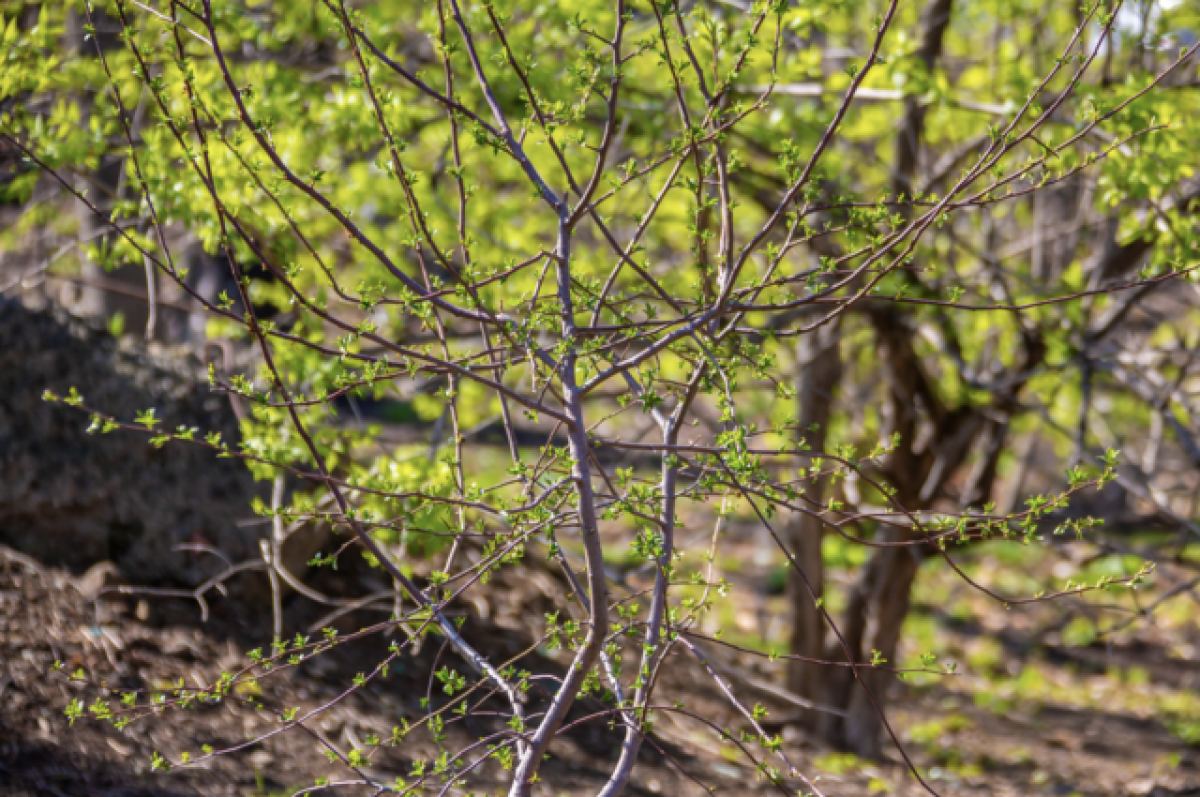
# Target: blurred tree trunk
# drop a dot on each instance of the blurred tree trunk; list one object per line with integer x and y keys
{"x": 91, "y": 301}
{"x": 916, "y": 469}
{"x": 102, "y": 294}
{"x": 880, "y": 600}
{"x": 820, "y": 370}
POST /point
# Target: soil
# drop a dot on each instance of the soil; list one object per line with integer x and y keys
{"x": 141, "y": 642}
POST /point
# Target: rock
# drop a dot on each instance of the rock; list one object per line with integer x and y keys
{"x": 74, "y": 499}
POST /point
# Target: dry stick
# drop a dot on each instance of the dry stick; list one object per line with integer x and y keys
{"x": 139, "y": 113}
{"x": 22, "y": 277}
{"x": 175, "y": 23}
{"x": 152, "y": 300}
{"x": 217, "y": 582}
{"x": 271, "y": 549}
{"x": 346, "y": 607}
{"x": 108, "y": 286}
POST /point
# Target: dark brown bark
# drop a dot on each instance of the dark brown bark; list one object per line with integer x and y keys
{"x": 820, "y": 371}
{"x": 919, "y": 472}
{"x": 880, "y": 599}
{"x": 884, "y": 605}
{"x": 929, "y": 465}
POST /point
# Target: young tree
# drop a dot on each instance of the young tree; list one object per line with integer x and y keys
{"x": 618, "y": 225}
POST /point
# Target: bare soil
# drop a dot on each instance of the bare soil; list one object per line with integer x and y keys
{"x": 961, "y": 743}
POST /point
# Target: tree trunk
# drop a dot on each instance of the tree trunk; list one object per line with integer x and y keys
{"x": 883, "y": 607}
{"x": 880, "y": 600}
{"x": 99, "y": 294}
{"x": 91, "y": 301}
{"x": 820, "y": 370}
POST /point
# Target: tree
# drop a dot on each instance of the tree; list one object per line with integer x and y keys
{"x": 616, "y": 225}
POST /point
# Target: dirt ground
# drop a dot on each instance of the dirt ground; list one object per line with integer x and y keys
{"x": 1059, "y": 720}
